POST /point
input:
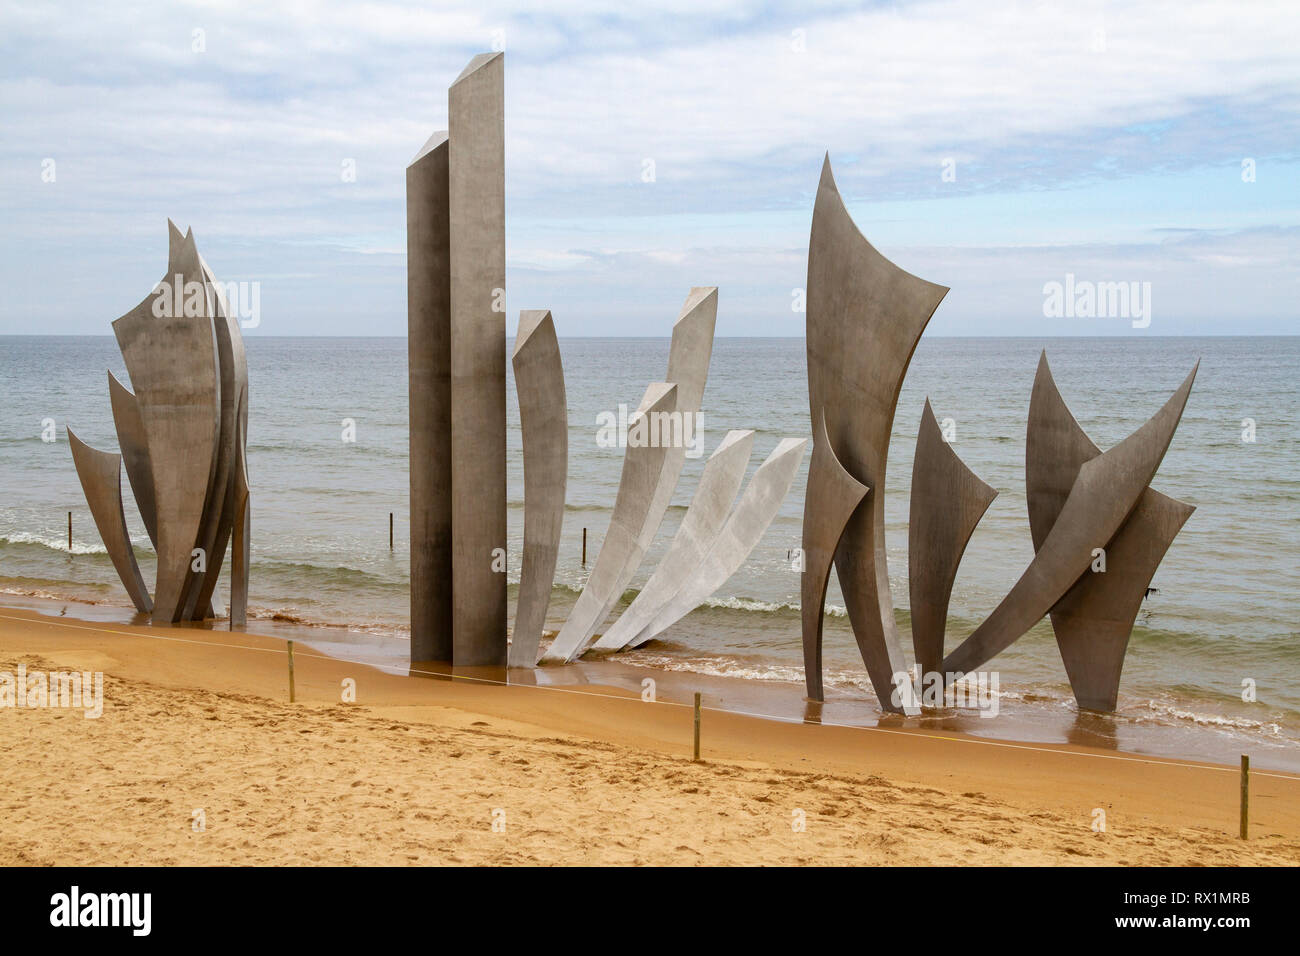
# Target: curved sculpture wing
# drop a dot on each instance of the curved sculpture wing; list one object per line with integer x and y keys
{"x": 172, "y": 361}
{"x": 101, "y": 479}
{"x": 241, "y": 525}
{"x": 1103, "y": 495}
{"x": 1056, "y": 447}
{"x": 865, "y": 316}
{"x": 948, "y": 500}
{"x": 135, "y": 453}
{"x": 688, "y": 368}
{"x": 758, "y": 505}
{"x": 219, "y": 509}
{"x": 643, "y": 466}
{"x": 723, "y": 473}
{"x": 544, "y": 424}
{"x": 1094, "y": 619}
{"x": 837, "y": 495}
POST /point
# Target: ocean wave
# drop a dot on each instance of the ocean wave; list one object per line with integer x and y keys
{"x": 46, "y": 595}
{"x": 1162, "y": 711}
{"x": 296, "y": 617}
{"x": 753, "y": 605}
{"x": 53, "y": 544}
{"x": 714, "y": 666}
{"x": 729, "y": 603}
{"x": 331, "y": 574}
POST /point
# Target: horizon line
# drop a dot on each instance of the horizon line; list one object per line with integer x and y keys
{"x": 1179, "y": 335}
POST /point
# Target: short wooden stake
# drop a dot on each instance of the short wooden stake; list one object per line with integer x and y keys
{"x": 69, "y": 532}
{"x": 291, "y": 688}
{"x": 697, "y": 725}
{"x": 390, "y": 531}
{"x": 1245, "y": 795}
{"x": 584, "y": 546}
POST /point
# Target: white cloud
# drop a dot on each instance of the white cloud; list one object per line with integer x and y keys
{"x": 246, "y": 139}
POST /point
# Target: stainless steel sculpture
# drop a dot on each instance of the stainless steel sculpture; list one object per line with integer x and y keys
{"x": 182, "y": 435}
{"x": 1094, "y": 619}
{"x": 704, "y": 518}
{"x": 643, "y": 466}
{"x": 757, "y": 507}
{"x": 456, "y": 277}
{"x": 476, "y": 217}
{"x": 101, "y": 478}
{"x": 135, "y": 453}
{"x": 242, "y": 525}
{"x": 172, "y": 361}
{"x": 428, "y": 317}
{"x": 688, "y": 368}
{"x": 864, "y": 318}
{"x": 220, "y": 505}
{"x": 544, "y": 426}
{"x": 1102, "y": 496}
{"x": 837, "y": 494}
{"x": 948, "y": 500}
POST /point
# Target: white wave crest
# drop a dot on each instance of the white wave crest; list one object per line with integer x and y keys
{"x": 54, "y": 544}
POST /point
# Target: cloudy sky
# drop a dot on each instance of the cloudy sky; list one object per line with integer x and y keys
{"x": 1111, "y": 141}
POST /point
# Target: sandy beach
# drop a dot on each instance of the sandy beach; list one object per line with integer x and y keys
{"x": 197, "y": 726}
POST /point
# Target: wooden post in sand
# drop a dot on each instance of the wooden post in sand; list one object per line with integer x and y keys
{"x": 69, "y": 532}
{"x": 291, "y": 694}
{"x": 1245, "y": 795}
{"x": 390, "y": 531}
{"x": 584, "y": 546}
{"x": 697, "y": 725}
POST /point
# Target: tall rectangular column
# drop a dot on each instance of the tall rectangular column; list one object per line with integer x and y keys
{"x": 476, "y": 191}
{"x": 428, "y": 316}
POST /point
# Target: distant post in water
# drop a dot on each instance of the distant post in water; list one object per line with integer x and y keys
{"x": 69, "y": 532}
{"x": 390, "y": 531}
{"x": 584, "y": 546}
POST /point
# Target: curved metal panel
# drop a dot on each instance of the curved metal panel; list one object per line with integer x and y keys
{"x": 864, "y": 318}
{"x": 688, "y": 368}
{"x": 241, "y": 525}
{"x": 233, "y": 365}
{"x": 1056, "y": 447}
{"x": 758, "y": 505}
{"x": 1094, "y": 619}
{"x": 101, "y": 479}
{"x": 704, "y": 518}
{"x": 1104, "y": 494}
{"x": 948, "y": 500}
{"x": 642, "y": 470}
{"x": 837, "y": 495}
{"x": 172, "y": 361}
{"x": 544, "y": 425}
{"x": 134, "y": 444}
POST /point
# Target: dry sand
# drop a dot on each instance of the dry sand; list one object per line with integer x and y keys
{"x": 418, "y": 770}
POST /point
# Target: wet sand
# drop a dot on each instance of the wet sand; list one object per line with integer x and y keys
{"x": 427, "y": 770}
